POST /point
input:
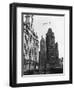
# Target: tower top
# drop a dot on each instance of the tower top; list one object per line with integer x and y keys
{"x": 50, "y": 30}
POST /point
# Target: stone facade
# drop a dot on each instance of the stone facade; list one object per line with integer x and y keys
{"x": 30, "y": 44}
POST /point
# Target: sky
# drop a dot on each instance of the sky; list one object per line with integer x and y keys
{"x": 41, "y": 23}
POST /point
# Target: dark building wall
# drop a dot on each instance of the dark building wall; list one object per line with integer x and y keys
{"x": 42, "y": 54}
{"x": 52, "y": 50}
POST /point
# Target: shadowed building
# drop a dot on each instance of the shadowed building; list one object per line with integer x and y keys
{"x": 49, "y": 61}
{"x": 42, "y": 55}
{"x": 53, "y": 60}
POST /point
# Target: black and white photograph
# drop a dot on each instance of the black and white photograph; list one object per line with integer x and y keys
{"x": 40, "y": 44}
{"x": 43, "y": 43}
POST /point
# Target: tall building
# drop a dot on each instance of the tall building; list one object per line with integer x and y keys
{"x": 52, "y": 50}
{"x": 42, "y": 55}
{"x": 30, "y": 45}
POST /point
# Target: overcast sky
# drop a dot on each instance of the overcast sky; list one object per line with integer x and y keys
{"x": 41, "y": 25}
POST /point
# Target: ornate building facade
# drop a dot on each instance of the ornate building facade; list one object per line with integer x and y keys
{"x": 30, "y": 45}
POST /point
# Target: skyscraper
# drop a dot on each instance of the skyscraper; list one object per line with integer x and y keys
{"x": 42, "y": 58}
{"x": 52, "y": 50}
